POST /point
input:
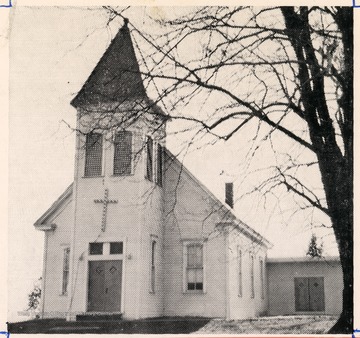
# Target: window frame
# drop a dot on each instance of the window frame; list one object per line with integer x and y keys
{"x": 262, "y": 278}
{"x": 186, "y": 245}
{"x": 149, "y": 167}
{"x": 240, "y": 272}
{"x": 120, "y": 243}
{"x": 252, "y": 275}
{"x": 65, "y": 270}
{"x": 159, "y": 168}
{"x": 86, "y": 157}
{"x": 99, "y": 244}
{"x": 153, "y": 266}
{"x": 131, "y": 172}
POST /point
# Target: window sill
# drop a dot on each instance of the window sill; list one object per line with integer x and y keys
{"x": 100, "y": 176}
{"x": 194, "y": 292}
{"x": 125, "y": 175}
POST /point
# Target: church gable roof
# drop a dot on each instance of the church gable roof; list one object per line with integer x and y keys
{"x": 230, "y": 218}
{"x": 45, "y": 221}
{"x": 116, "y": 77}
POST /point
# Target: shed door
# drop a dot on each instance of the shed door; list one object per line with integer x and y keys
{"x": 316, "y": 292}
{"x": 301, "y": 294}
{"x": 104, "y": 293}
{"x": 309, "y": 294}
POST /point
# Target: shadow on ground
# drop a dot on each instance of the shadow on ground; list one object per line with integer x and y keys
{"x": 149, "y": 326}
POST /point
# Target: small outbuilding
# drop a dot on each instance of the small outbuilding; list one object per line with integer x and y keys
{"x": 304, "y": 285}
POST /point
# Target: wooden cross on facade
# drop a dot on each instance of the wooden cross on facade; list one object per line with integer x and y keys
{"x": 105, "y": 201}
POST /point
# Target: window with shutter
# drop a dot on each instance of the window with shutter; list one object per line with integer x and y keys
{"x": 149, "y": 158}
{"x": 159, "y": 166}
{"x": 123, "y": 153}
{"x": 93, "y": 154}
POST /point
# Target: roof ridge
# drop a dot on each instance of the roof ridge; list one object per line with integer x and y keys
{"x": 229, "y": 211}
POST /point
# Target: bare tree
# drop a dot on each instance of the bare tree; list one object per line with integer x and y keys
{"x": 288, "y": 71}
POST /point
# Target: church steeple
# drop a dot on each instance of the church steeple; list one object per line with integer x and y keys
{"x": 116, "y": 77}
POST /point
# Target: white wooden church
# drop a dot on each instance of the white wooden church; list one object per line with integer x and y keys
{"x": 136, "y": 234}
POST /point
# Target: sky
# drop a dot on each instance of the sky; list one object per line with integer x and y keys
{"x": 52, "y": 52}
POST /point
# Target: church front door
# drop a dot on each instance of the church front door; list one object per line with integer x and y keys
{"x": 104, "y": 291}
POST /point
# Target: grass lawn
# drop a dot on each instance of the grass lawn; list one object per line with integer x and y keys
{"x": 185, "y": 325}
{"x": 271, "y": 325}
{"x": 151, "y": 325}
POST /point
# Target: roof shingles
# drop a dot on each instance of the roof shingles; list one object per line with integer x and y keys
{"x": 116, "y": 77}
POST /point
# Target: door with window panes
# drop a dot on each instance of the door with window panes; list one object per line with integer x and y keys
{"x": 105, "y": 278}
{"x": 105, "y": 286}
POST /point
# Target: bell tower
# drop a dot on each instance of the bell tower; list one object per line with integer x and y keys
{"x": 118, "y": 190}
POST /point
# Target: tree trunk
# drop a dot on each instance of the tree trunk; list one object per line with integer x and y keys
{"x": 344, "y": 238}
{"x": 337, "y": 176}
{"x": 336, "y": 167}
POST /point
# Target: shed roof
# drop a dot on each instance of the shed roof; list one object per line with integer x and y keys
{"x": 302, "y": 259}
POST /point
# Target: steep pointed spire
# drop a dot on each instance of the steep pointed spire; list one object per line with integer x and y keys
{"x": 116, "y": 77}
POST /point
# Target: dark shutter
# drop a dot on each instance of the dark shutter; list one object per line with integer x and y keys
{"x": 159, "y": 167}
{"x": 66, "y": 269}
{"x": 123, "y": 153}
{"x": 149, "y": 159}
{"x": 93, "y": 154}
{"x": 229, "y": 194}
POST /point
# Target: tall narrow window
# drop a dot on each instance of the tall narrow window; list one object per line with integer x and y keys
{"x": 93, "y": 154}
{"x": 194, "y": 267}
{"x": 252, "y": 289}
{"x": 262, "y": 278}
{"x": 123, "y": 153}
{"x": 239, "y": 273}
{"x": 159, "y": 166}
{"x": 149, "y": 159}
{"x": 152, "y": 268}
{"x": 66, "y": 263}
